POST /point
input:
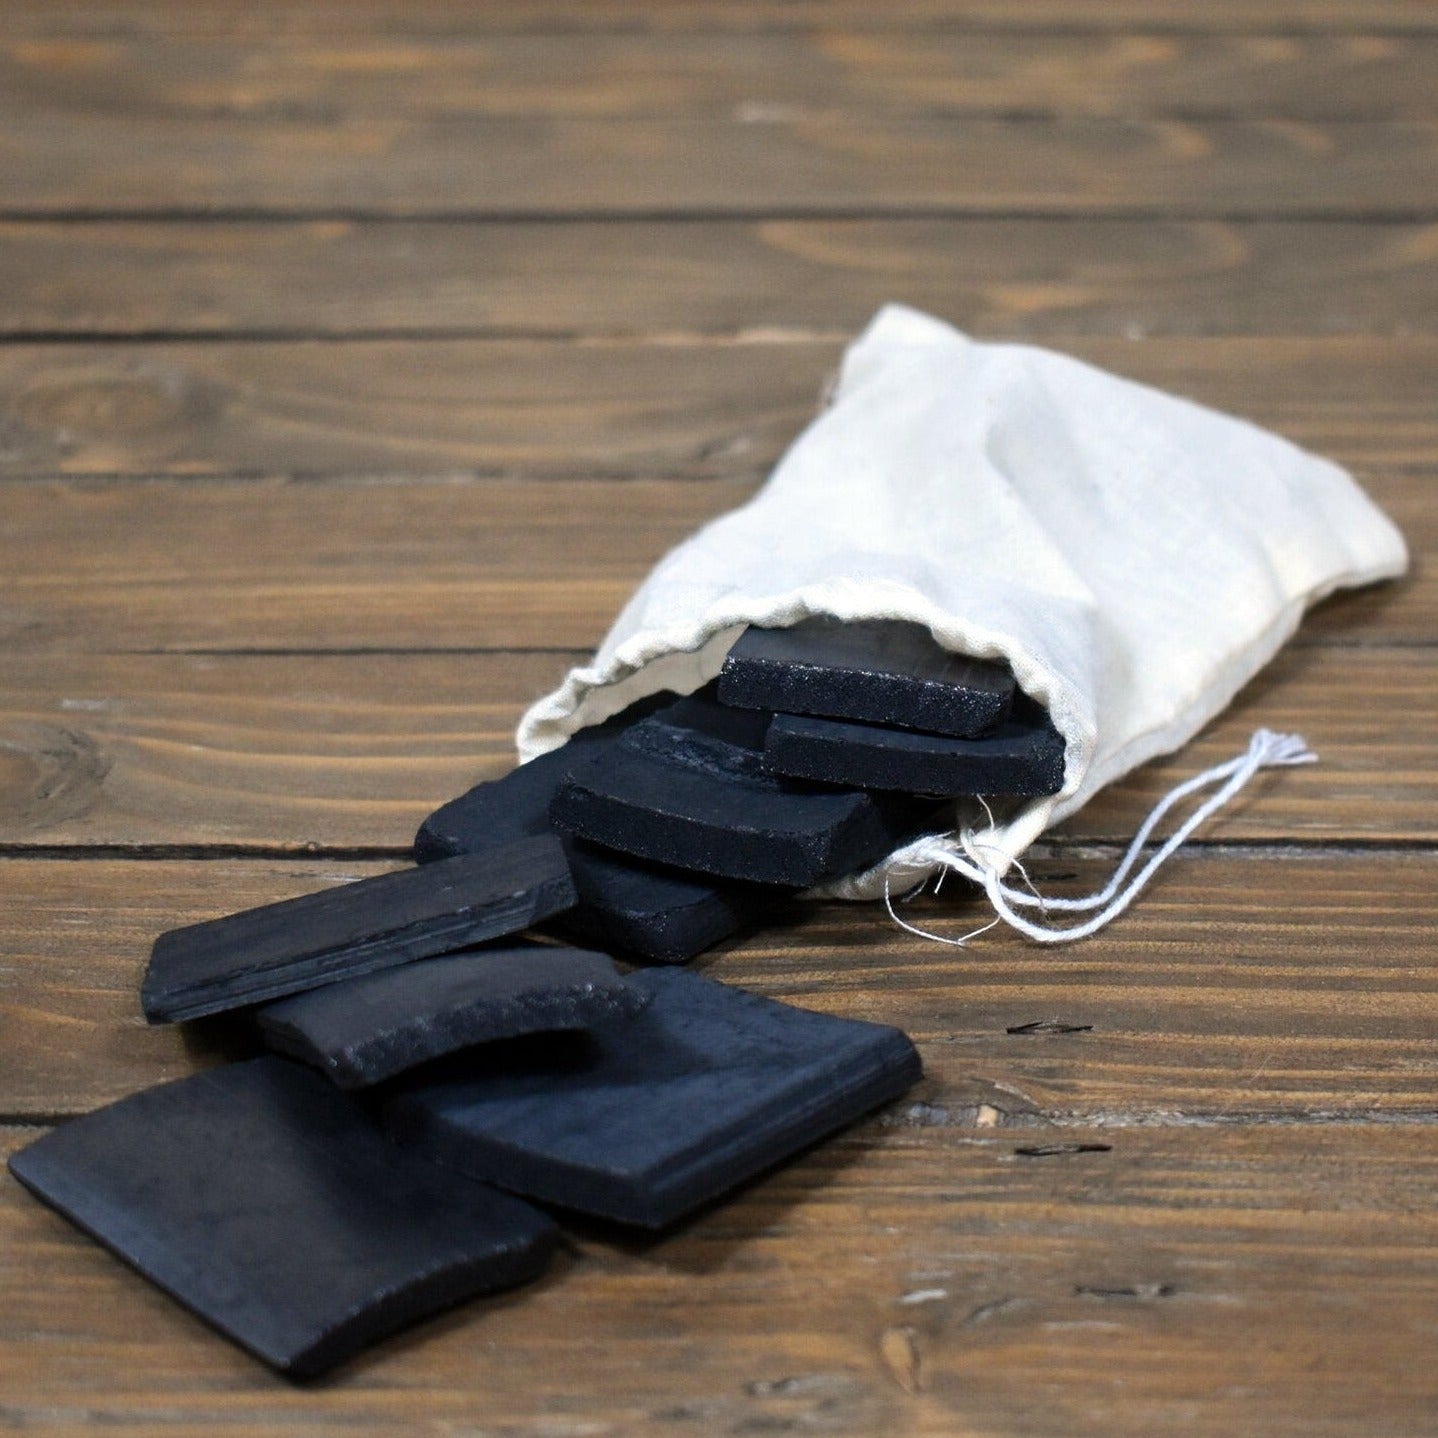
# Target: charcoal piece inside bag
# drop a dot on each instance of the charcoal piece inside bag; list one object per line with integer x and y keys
{"x": 878, "y": 671}
{"x": 627, "y": 905}
{"x": 267, "y": 1202}
{"x": 649, "y": 1118}
{"x": 1022, "y": 757}
{"x": 688, "y": 786}
{"x": 369, "y": 1029}
{"x": 353, "y": 929}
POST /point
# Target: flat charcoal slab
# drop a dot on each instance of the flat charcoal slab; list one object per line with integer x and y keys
{"x": 1021, "y": 758}
{"x": 365, "y": 1030}
{"x": 880, "y": 671}
{"x": 354, "y": 929}
{"x": 266, "y": 1201}
{"x": 657, "y": 914}
{"x": 688, "y": 787}
{"x": 707, "y": 1087}
{"x": 654, "y": 913}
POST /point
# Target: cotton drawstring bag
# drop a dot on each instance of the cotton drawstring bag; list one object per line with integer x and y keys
{"x": 1134, "y": 557}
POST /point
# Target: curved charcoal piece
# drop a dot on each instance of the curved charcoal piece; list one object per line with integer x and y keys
{"x": 1021, "y": 758}
{"x": 369, "y": 1029}
{"x": 646, "y": 910}
{"x": 354, "y": 929}
{"x": 880, "y": 671}
{"x": 265, "y": 1201}
{"x": 657, "y": 1116}
{"x": 688, "y": 787}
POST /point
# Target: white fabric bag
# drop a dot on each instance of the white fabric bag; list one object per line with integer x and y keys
{"x": 1135, "y": 558}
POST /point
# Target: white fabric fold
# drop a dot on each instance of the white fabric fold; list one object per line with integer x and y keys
{"x": 1136, "y": 558}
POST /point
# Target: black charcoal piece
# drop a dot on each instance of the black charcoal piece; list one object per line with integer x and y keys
{"x": 687, "y": 787}
{"x": 354, "y": 929}
{"x": 267, "y": 1202}
{"x": 1020, "y": 758}
{"x": 652, "y": 912}
{"x": 364, "y": 1030}
{"x": 880, "y": 671}
{"x": 655, "y": 1117}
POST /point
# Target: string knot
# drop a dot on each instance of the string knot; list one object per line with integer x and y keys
{"x": 967, "y": 854}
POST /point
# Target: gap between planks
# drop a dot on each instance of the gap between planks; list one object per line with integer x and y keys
{"x": 1241, "y": 985}
{"x": 1244, "y": 1281}
{"x": 351, "y": 752}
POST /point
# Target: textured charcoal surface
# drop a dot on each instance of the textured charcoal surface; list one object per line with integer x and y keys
{"x": 264, "y": 1200}
{"x": 1022, "y": 757}
{"x": 880, "y": 671}
{"x": 368, "y": 1029}
{"x": 628, "y": 905}
{"x": 354, "y": 929}
{"x": 648, "y": 1120}
{"x": 688, "y": 786}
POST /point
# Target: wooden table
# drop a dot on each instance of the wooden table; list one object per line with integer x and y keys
{"x": 358, "y": 360}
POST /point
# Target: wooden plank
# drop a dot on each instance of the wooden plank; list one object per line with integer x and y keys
{"x": 1241, "y": 985}
{"x": 755, "y": 77}
{"x": 274, "y": 566}
{"x": 603, "y": 407}
{"x": 456, "y": 17}
{"x": 1025, "y": 279}
{"x": 1266, "y": 1281}
{"x": 266, "y": 565}
{"x": 298, "y": 753}
{"x": 96, "y": 163}
{"x": 351, "y": 751}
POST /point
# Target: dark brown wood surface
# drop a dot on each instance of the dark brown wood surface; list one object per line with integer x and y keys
{"x": 774, "y": 279}
{"x": 357, "y": 360}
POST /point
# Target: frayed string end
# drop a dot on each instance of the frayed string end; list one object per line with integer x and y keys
{"x": 971, "y": 857}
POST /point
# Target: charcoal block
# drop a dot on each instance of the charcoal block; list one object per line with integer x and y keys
{"x": 879, "y": 671}
{"x": 655, "y": 1117}
{"x": 687, "y": 786}
{"x": 1022, "y": 757}
{"x": 368, "y": 1029}
{"x": 354, "y": 929}
{"x": 267, "y": 1202}
{"x": 652, "y": 912}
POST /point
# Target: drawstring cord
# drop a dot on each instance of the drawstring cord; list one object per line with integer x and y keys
{"x": 1266, "y": 750}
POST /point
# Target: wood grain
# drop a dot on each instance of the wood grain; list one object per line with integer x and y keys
{"x": 350, "y": 349}
{"x": 603, "y": 407}
{"x": 295, "y": 753}
{"x": 932, "y": 1284}
{"x": 268, "y": 565}
{"x": 457, "y": 17}
{"x": 757, "y": 78}
{"x": 1244, "y": 986}
{"x": 273, "y": 565}
{"x": 290, "y": 753}
{"x": 1025, "y": 279}
{"x": 91, "y": 161}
